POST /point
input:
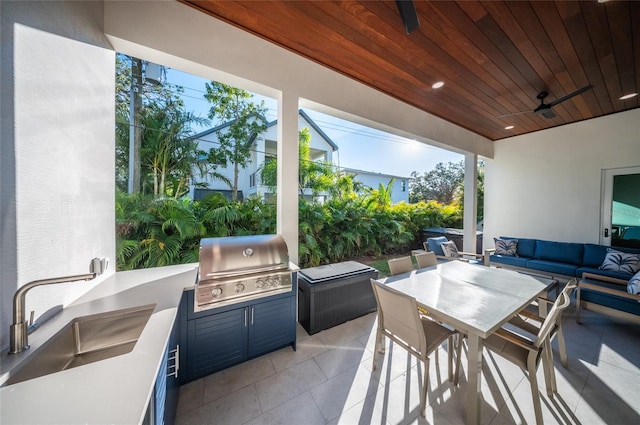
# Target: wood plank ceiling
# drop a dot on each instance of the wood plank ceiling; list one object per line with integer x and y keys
{"x": 493, "y": 56}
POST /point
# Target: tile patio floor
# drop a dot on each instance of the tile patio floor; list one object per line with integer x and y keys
{"x": 328, "y": 380}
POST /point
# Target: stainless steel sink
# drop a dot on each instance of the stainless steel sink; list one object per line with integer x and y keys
{"x": 85, "y": 340}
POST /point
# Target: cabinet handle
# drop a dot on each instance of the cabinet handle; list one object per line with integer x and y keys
{"x": 245, "y": 317}
{"x": 252, "y": 310}
{"x": 175, "y": 356}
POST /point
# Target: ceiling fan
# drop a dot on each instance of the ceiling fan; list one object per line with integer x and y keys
{"x": 544, "y": 109}
{"x": 407, "y": 9}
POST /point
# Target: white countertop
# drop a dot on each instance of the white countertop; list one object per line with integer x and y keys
{"x": 112, "y": 391}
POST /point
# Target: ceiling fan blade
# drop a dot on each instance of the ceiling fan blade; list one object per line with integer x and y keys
{"x": 570, "y": 95}
{"x": 408, "y": 14}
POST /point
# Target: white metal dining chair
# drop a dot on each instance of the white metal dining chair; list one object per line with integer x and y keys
{"x": 426, "y": 259}
{"x": 531, "y": 322}
{"x": 527, "y": 352}
{"x": 398, "y": 319}
{"x": 400, "y": 265}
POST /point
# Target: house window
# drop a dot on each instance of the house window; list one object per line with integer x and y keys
{"x": 403, "y": 185}
{"x": 252, "y": 180}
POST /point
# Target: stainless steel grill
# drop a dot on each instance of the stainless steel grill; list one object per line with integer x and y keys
{"x": 239, "y": 268}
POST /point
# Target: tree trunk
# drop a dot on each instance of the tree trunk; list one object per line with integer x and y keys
{"x": 235, "y": 182}
{"x": 155, "y": 182}
{"x": 136, "y": 130}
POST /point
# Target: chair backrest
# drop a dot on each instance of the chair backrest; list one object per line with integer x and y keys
{"x": 426, "y": 259}
{"x": 562, "y": 302}
{"x": 398, "y": 316}
{"x": 433, "y": 244}
{"x": 400, "y": 265}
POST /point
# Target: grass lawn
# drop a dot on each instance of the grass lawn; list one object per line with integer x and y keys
{"x": 380, "y": 263}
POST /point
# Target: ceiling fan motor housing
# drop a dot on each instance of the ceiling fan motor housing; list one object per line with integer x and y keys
{"x": 545, "y": 111}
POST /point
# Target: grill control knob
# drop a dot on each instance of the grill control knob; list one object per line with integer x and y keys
{"x": 259, "y": 284}
{"x": 216, "y": 292}
{"x": 239, "y": 288}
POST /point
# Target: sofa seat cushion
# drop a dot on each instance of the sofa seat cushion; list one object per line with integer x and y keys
{"x": 525, "y": 248}
{"x": 610, "y": 273}
{"x": 618, "y": 303}
{"x": 553, "y": 267}
{"x": 509, "y": 260}
{"x": 561, "y": 252}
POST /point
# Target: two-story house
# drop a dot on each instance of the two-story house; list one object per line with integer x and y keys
{"x": 264, "y": 148}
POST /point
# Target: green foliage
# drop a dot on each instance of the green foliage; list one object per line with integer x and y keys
{"x": 316, "y": 176}
{"x": 168, "y": 157}
{"x": 445, "y": 184}
{"x": 441, "y": 184}
{"x": 157, "y": 232}
{"x": 154, "y": 232}
{"x": 246, "y": 122}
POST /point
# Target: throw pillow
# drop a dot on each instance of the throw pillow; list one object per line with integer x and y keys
{"x": 621, "y": 262}
{"x": 450, "y": 249}
{"x": 506, "y": 247}
{"x": 633, "y": 287}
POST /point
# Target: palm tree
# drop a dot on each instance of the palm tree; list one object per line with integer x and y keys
{"x": 314, "y": 175}
{"x": 380, "y": 199}
{"x": 169, "y": 156}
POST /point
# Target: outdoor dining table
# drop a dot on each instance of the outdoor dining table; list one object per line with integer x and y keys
{"x": 474, "y": 299}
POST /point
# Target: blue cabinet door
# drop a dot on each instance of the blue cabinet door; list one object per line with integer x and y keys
{"x": 172, "y": 376}
{"x": 216, "y": 342}
{"x": 272, "y": 325}
{"x": 160, "y": 393}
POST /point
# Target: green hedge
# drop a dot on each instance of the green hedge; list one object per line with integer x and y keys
{"x": 160, "y": 232}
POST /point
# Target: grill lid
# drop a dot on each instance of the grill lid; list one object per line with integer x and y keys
{"x": 237, "y": 255}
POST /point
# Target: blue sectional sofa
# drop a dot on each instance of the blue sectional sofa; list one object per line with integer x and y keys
{"x": 562, "y": 260}
{"x": 604, "y": 291}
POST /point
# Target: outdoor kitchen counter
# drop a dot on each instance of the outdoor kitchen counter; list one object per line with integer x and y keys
{"x": 112, "y": 391}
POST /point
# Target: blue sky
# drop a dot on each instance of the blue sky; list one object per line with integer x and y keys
{"x": 360, "y": 147}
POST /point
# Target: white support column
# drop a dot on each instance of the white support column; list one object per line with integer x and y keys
{"x": 470, "y": 202}
{"x": 287, "y": 206}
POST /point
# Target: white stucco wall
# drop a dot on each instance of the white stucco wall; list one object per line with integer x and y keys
{"x": 373, "y": 181}
{"x": 547, "y": 184}
{"x": 57, "y": 159}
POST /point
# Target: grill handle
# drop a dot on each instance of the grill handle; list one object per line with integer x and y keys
{"x": 245, "y": 270}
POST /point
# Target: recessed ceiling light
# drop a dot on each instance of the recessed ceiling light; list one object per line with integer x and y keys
{"x": 628, "y": 96}
{"x": 437, "y": 85}
{"x": 509, "y": 127}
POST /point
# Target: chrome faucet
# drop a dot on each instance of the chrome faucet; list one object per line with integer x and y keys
{"x": 18, "y": 331}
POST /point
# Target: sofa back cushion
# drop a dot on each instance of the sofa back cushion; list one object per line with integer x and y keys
{"x": 526, "y": 247}
{"x": 562, "y": 252}
{"x": 434, "y": 244}
{"x": 593, "y": 255}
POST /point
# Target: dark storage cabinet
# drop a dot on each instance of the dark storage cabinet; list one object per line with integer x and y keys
{"x": 333, "y": 294}
{"x": 216, "y": 342}
{"x": 225, "y": 336}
